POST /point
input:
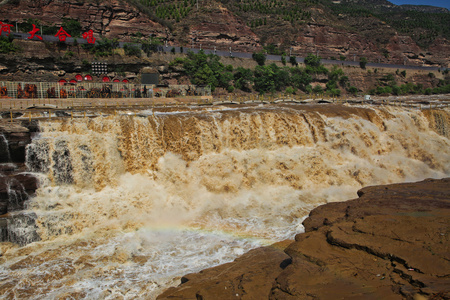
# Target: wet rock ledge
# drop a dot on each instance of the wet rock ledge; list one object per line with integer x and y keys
{"x": 390, "y": 243}
{"x": 16, "y": 185}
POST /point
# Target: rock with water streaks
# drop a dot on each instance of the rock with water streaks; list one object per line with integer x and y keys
{"x": 390, "y": 243}
{"x": 15, "y": 185}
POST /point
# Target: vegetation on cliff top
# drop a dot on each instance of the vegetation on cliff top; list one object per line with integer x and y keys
{"x": 423, "y": 26}
{"x": 313, "y": 78}
{"x": 285, "y": 17}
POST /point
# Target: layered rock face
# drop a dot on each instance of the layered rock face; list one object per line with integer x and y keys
{"x": 15, "y": 185}
{"x": 216, "y": 25}
{"x": 390, "y": 243}
{"x": 220, "y": 28}
{"x": 108, "y": 18}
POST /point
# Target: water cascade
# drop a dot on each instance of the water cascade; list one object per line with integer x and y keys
{"x": 129, "y": 203}
{"x": 5, "y": 157}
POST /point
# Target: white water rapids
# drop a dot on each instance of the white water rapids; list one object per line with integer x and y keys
{"x": 128, "y": 204}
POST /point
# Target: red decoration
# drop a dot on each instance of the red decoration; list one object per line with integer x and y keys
{"x": 73, "y": 81}
{"x": 6, "y": 28}
{"x": 62, "y": 81}
{"x": 89, "y": 36}
{"x": 106, "y": 79}
{"x": 62, "y": 35}
{"x": 125, "y": 81}
{"x": 88, "y": 77}
{"x": 116, "y": 80}
{"x": 78, "y": 77}
{"x": 33, "y": 33}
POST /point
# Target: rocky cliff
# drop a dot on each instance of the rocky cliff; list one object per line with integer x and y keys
{"x": 223, "y": 25}
{"x": 110, "y": 18}
{"x": 390, "y": 243}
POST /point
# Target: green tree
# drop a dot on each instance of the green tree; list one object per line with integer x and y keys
{"x": 363, "y": 62}
{"x": 270, "y": 78}
{"x": 300, "y": 78}
{"x": 293, "y": 61}
{"x": 317, "y": 89}
{"x": 150, "y": 45}
{"x": 243, "y": 79}
{"x": 204, "y": 69}
{"x": 335, "y": 73}
{"x": 312, "y": 61}
{"x": 260, "y": 58}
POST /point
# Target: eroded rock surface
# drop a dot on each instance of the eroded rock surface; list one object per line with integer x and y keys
{"x": 390, "y": 243}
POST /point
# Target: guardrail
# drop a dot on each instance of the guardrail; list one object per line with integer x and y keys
{"x": 56, "y": 90}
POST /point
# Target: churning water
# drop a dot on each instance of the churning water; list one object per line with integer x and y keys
{"x": 128, "y": 204}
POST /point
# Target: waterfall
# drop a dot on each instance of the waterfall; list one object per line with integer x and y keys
{"x": 129, "y": 203}
{"x": 5, "y": 157}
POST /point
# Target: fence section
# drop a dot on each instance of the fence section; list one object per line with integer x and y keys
{"x": 51, "y": 90}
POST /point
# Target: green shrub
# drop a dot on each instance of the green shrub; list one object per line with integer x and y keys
{"x": 317, "y": 89}
{"x": 363, "y": 62}
{"x": 260, "y": 58}
{"x": 68, "y": 54}
{"x": 352, "y": 90}
{"x": 150, "y": 45}
{"x": 312, "y": 61}
{"x": 293, "y": 61}
{"x": 289, "y": 90}
{"x": 132, "y": 50}
{"x": 7, "y": 45}
{"x": 334, "y": 92}
{"x": 102, "y": 47}
{"x": 72, "y": 27}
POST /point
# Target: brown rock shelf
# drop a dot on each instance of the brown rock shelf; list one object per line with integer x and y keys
{"x": 390, "y": 243}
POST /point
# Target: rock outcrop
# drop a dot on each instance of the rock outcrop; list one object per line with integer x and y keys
{"x": 390, "y": 243}
{"x": 15, "y": 184}
{"x": 110, "y": 18}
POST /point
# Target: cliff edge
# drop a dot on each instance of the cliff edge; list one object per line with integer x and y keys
{"x": 390, "y": 243}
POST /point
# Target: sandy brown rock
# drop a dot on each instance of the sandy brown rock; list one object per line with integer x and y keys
{"x": 248, "y": 277}
{"x": 391, "y": 243}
